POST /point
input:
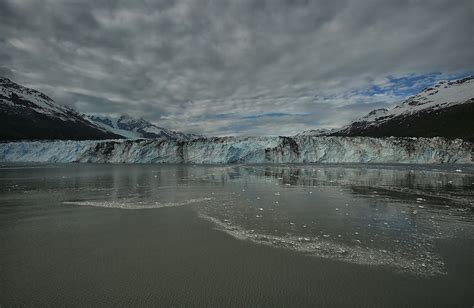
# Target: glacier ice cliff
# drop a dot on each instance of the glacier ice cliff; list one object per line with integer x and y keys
{"x": 221, "y": 150}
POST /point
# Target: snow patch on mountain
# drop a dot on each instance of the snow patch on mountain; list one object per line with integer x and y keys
{"x": 374, "y": 115}
{"x": 18, "y": 96}
{"x": 110, "y": 125}
{"x": 27, "y": 114}
{"x": 442, "y": 95}
{"x": 132, "y": 128}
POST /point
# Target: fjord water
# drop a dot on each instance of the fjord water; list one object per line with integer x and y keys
{"x": 236, "y": 235}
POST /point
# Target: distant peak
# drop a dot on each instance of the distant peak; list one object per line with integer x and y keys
{"x": 5, "y": 80}
{"x": 462, "y": 80}
{"x": 129, "y": 119}
{"x": 378, "y": 111}
{"x": 374, "y": 114}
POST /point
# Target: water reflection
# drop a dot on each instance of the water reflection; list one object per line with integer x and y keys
{"x": 379, "y": 216}
{"x": 374, "y": 215}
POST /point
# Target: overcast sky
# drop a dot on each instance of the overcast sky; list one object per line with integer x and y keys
{"x": 235, "y": 67}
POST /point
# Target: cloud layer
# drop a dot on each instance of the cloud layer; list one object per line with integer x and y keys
{"x": 234, "y": 67}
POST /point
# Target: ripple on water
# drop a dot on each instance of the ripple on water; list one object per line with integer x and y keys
{"x": 136, "y": 205}
{"x": 423, "y": 264}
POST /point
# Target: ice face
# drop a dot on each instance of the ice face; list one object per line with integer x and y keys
{"x": 300, "y": 149}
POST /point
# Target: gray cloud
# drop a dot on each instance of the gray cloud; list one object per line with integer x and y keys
{"x": 181, "y": 63}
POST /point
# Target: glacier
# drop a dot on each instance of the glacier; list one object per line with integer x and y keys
{"x": 224, "y": 150}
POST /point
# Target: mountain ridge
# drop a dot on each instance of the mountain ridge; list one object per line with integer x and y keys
{"x": 133, "y": 128}
{"x": 444, "y": 110}
{"x": 28, "y": 114}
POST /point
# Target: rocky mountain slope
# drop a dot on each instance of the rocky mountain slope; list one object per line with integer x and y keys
{"x": 28, "y": 114}
{"x": 445, "y": 110}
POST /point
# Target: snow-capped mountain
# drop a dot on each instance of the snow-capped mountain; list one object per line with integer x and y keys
{"x": 29, "y": 114}
{"x": 131, "y": 128}
{"x": 446, "y": 109}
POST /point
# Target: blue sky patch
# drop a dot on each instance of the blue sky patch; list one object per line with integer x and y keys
{"x": 408, "y": 85}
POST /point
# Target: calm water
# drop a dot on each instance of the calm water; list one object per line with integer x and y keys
{"x": 243, "y": 235}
